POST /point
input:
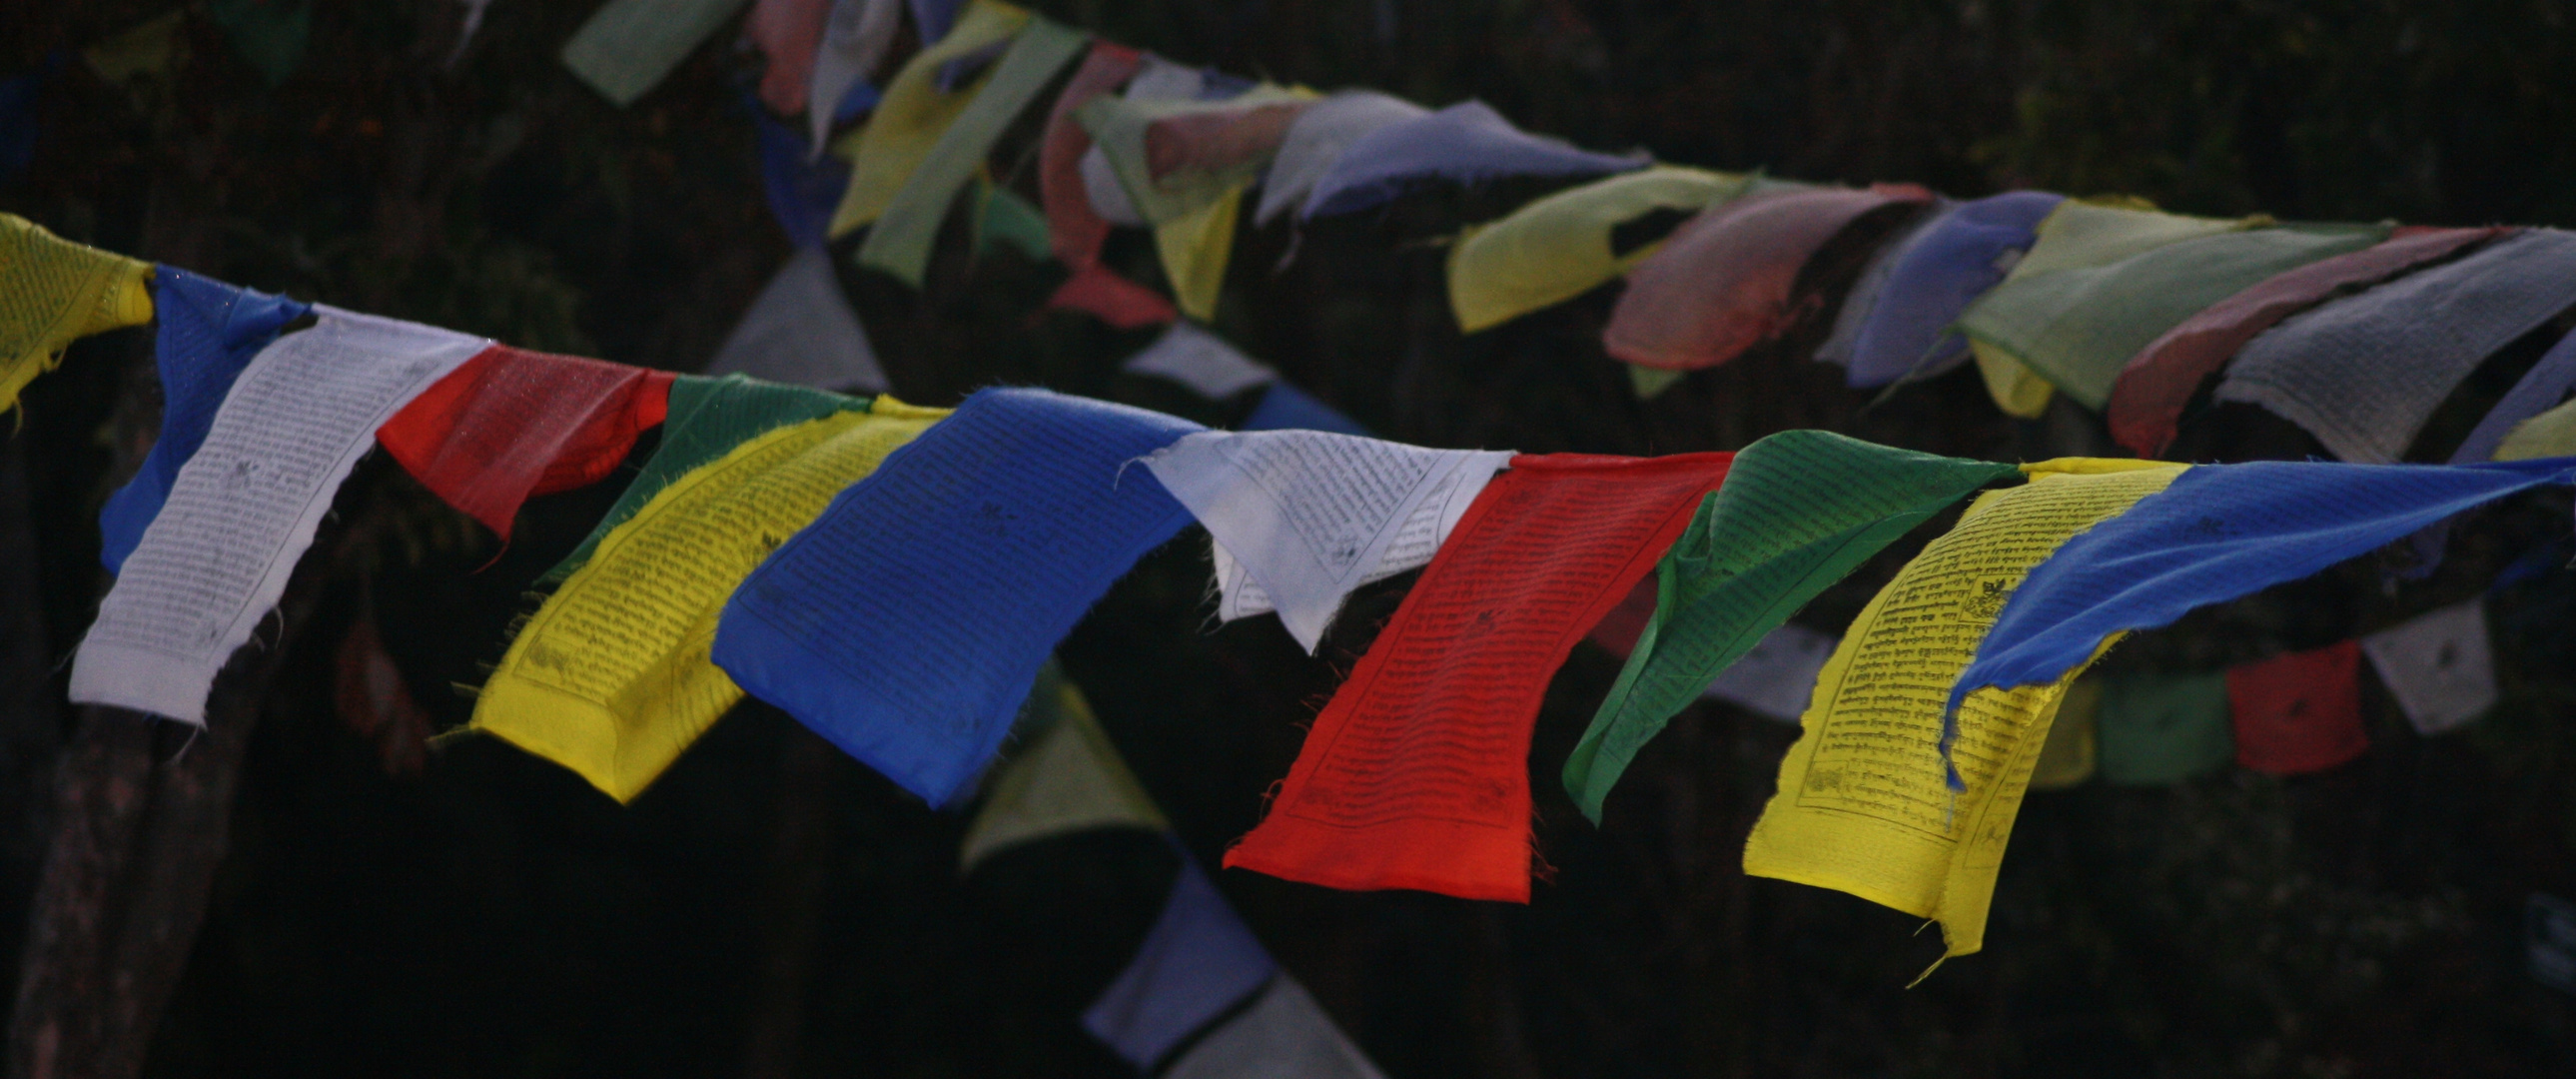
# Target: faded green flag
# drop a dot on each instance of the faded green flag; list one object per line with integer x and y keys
{"x": 1799, "y": 509}
{"x": 1069, "y": 779}
{"x": 2158, "y": 729}
{"x": 708, "y": 418}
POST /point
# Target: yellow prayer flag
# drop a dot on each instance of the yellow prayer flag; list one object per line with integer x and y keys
{"x": 1195, "y": 247}
{"x": 1559, "y": 247}
{"x": 2017, "y": 390}
{"x": 2550, "y": 434}
{"x": 1071, "y": 779}
{"x": 914, "y": 113}
{"x": 54, "y": 292}
{"x": 611, "y": 677}
{"x": 2072, "y": 750}
{"x": 1862, "y": 804}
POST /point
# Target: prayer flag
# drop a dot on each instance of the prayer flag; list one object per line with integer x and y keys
{"x": 1951, "y": 262}
{"x": 800, "y": 331}
{"x": 1417, "y": 774}
{"x": 1728, "y": 279}
{"x": 906, "y": 623}
{"x": 1777, "y": 679}
{"x": 789, "y": 33}
{"x": 2073, "y": 749}
{"x": 1167, "y": 187}
{"x": 58, "y": 292}
{"x": 270, "y": 34}
{"x": 2440, "y": 665}
{"x": 2550, "y": 434}
{"x": 1284, "y": 407}
{"x": 1844, "y": 341}
{"x": 1800, "y": 509}
{"x": 2298, "y": 712}
{"x": 856, "y": 37}
{"x": 629, "y": 46}
{"x": 1284, "y": 1035}
{"x": 1317, "y": 139}
{"x": 611, "y": 678}
{"x": 209, "y": 331}
{"x": 1197, "y": 962}
{"x": 2363, "y": 373}
{"x": 1466, "y": 143}
{"x": 1075, "y": 231}
{"x": 802, "y": 187}
{"x": 1875, "y": 799}
{"x": 1559, "y": 247}
{"x": 2162, "y": 729}
{"x": 1201, "y": 361}
{"x": 513, "y": 424}
{"x": 1070, "y": 779}
{"x": 2148, "y": 398}
{"x": 915, "y": 114}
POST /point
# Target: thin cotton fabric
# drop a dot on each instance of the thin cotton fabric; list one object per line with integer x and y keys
{"x": 2298, "y": 712}
{"x": 1070, "y": 779}
{"x": 788, "y": 33}
{"x": 1317, "y": 140}
{"x": 209, "y": 331}
{"x": 915, "y": 115}
{"x": 2148, "y": 398}
{"x": 900, "y": 241}
{"x": 1283, "y": 1034}
{"x": 611, "y": 677}
{"x": 1559, "y": 247}
{"x": 1800, "y": 509}
{"x": 2220, "y": 532}
{"x": 800, "y": 331}
{"x": 2363, "y": 373}
{"x": 1885, "y": 798}
{"x": 1727, "y": 280}
{"x": 629, "y": 46}
{"x": 512, "y": 424}
{"x": 53, "y": 292}
{"x": 1465, "y": 143}
{"x": 2161, "y": 729}
{"x": 706, "y": 419}
{"x": 1951, "y": 262}
{"x": 905, "y": 624}
{"x": 802, "y": 188}
{"x": 1201, "y": 361}
{"x": 1416, "y": 775}
{"x": 1857, "y": 301}
{"x": 2078, "y": 327}
{"x": 1076, "y": 231}
{"x": 1198, "y": 961}
{"x": 2440, "y": 665}
{"x": 1123, "y": 129}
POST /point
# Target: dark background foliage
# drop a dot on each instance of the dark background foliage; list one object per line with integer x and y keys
{"x": 772, "y": 908}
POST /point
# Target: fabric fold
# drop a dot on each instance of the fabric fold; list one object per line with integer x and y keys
{"x": 512, "y": 424}
{"x": 1465, "y": 143}
{"x": 906, "y": 623}
{"x": 1954, "y": 260}
{"x": 1416, "y": 774}
{"x": 58, "y": 292}
{"x": 1560, "y": 247}
{"x": 1316, "y": 140}
{"x": 1076, "y": 231}
{"x": 915, "y": 115}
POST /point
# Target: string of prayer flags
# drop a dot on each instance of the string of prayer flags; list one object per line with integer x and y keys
{"x": 2440, "y": 665}
{"x": 915, "y": 114}
{"x": 706, "y": 418}
{"x": 857, "y": 34}
{"x": 512, "y": 424}
{"x": 629, "y": 46}
{"x": 1956, "y": 257}
{"x": 788, "y": 33}
{"x": 2298, "y": 712}
{"x": 2073, "y": 749}
{"x": 208, "y": 332}
{"x": 900, "y": 242}
{"x": 2364, "y": 372}
{"x": 2078, "y": 234}
{"x": 1069, "y": 779}
{"x": 1776, "y": 678}
{"x": 1075, "y": 230}
{"x": 2148, "y": 398}
{"x": 2157, "y": 730}
{"x": 905, "y": 624}
{"x": 1201, "y": 361}
{"x": 1197, "y": 963}
{"x": 58, "y": 292}
{"x": 1800, "y": 510}
{"x": 270, "y": 34}
{"x": 244, "y": 507}
{"x": 800, "y": 331}
{"x": 1466, "y": 143}
{"x": 2550, "y": 434}
{"x": 1284, "y": 407}
{"x": 1857, "y": 302}
{"x": 1306, "y": 516}
{"x": 1881, "y": 796}
{"x": 1283, "y": 1034}
{"x": 1318, "y": 138}
{"x": 2220, "y": 532}
{"x": 1563, "y": 246}
{"x": 2079, "y": 327}
{"x": 1164, "y": 177}
{"x": 1728, "y": 279}
{"x": 1416, "y": 774}
{"x": 611, "y": 678}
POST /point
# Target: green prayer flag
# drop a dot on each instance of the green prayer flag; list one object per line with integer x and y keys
{"x": 1649, "y": 382}
{"x": 2158, "y": 729}
{"x": 2078, "y": 327}
{"x": 1799, "y": 509}
{"x": 708, "y": 417}
{"x": 899, "y": 242}
{"x": 1006, "y": 218}
{"x": 1069, "y": 779}
{"x": 628, "y": 46}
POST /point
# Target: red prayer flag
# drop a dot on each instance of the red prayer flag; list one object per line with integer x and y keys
{"x": 1217, "y": 141}
{"x": 788, "y": 32}
{"x": 2299, "y": 711}
{"x": 1617, "y": 632}
{"x": 1417, "y": 774}
{"x": 1727, "y": 279}
{"x": 2147, "y": 401}
{"x": 1075, "y": 231}
{"x": 513, "y": 424}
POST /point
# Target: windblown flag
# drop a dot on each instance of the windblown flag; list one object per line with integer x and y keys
{"x": 59, "y": 291}
{"x": 1954, "y": 260}
{"x": 512, "y": 424}
{"x": 1465, "y": 143}
{"x": 1562, "y": 246}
